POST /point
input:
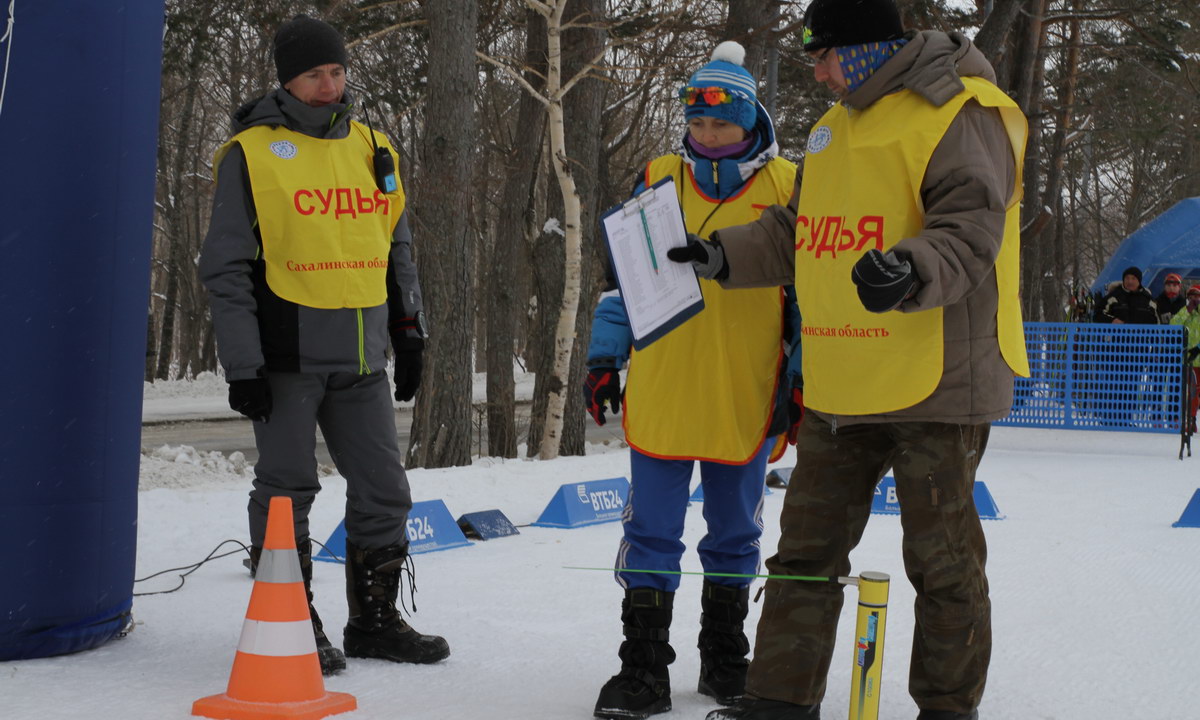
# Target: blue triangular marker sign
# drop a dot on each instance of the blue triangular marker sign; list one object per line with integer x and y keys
{"x": 586, "y": 503}
{"x": 430, "y": 528}
{"x": 1191, "y": 514}
{"x": 885, "y": 501}
{"x": 486, "y": 525}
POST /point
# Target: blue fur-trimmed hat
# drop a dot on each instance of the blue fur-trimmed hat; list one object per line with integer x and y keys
{"x": 725, "y": 70}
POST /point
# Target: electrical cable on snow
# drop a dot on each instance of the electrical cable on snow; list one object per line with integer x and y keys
{"x": 802, "y": 578}
{"x": 191, "y": 568}
{"x": 241, "y": 548}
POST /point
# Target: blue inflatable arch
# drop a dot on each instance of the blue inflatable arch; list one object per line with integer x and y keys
{"x": 79, "y": 93}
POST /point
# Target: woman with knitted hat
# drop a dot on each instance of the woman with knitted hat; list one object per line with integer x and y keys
{"x": 714, "y": 391}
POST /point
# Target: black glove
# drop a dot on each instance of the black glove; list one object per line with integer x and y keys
{"x": 251, "y": 398}
{"x": 603, "y": 384}
{"x": 1193, "y": 354}
{"x": 883, "y": 280}
{"x": 409, "y": 362}
{"x": 707, "y": 256}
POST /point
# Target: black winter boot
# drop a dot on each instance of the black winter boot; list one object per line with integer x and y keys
{"x": 375, "y": 628}
{"x": 947, "y": 715}
{"x": 643, "y": 686}
{"x": 723, "y": 643}
{"x": 332, "y": 660}
{"x": 752, "y": 708}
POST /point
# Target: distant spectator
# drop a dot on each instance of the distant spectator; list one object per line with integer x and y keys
{"x": 1170, "y": 300}
{"x": 1128, "y": 302}
{"x": 1189, "y": 318}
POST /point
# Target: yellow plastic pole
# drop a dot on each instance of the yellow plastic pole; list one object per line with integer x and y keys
{"x": 866, "y": 675}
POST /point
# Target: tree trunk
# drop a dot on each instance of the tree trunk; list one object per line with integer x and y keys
{"x": 750, "y": 22}
{"x": 509, "y": 257}
{"x": 441, "y": 434}
{"x": 1053, "y": 281}
{"x": 564, "y": 333}
{"x": 584, "y": 103}
{"x": 173, "y": 204}
{"x": 1027, "y": 64}
{"x": 547, "y": 255}
{"x": 992, "y": 38}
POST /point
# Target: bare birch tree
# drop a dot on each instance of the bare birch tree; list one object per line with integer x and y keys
{"x": 552, "y": 98}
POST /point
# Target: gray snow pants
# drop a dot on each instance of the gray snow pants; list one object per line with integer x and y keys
{"x": 358, "y": 422}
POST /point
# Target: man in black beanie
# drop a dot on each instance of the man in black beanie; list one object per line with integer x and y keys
{"x": 1128, "y": 301}
{"x": 309, "y": 272}
{"x": 902, "y": 241}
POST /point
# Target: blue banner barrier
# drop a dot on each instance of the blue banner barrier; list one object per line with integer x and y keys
{"x": 885, "y": 501}
{"x": 430, "y": 527}
{"x": 1092, "y": 376}
{"x": 1191, "y": 514}
{"x": 486, "y": 525}
{"x": 586, "y": 503}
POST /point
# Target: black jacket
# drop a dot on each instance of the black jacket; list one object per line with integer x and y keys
{"x": 1129, "y": 307}
{"x": 1167, "y": 307}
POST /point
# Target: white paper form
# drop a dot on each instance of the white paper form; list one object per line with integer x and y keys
{"x": 659, "y": 294}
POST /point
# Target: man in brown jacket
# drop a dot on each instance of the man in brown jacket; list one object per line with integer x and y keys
{"x": 902, "y": 241}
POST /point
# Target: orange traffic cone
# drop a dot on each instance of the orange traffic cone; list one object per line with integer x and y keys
{"x": 276, "y": 673}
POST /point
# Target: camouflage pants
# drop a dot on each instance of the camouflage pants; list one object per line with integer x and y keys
{"x": 825, "y": 511}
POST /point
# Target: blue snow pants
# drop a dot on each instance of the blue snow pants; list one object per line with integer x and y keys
{"x": 655, "y": 511}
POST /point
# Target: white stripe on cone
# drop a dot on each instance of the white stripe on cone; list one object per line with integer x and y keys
{"x": 277, "y": 639}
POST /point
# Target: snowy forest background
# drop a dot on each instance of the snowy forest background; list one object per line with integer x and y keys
{"x": 495, "y": 128}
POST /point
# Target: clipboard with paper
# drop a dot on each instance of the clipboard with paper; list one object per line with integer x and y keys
{"x": 659, "y": 295}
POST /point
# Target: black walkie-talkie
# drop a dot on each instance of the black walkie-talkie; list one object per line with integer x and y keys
{"x": 385, "y": 166}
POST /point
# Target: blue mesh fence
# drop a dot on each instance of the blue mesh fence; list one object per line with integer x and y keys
{"x": 1086, "y": 376}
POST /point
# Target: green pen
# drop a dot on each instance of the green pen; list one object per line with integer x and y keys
{"x": 649, "y": 244}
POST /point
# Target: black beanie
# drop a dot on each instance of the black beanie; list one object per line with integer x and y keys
{"x": 1132, "y": 271}
{"x": 838, "y": 23}
{"x": 303, "y": 43}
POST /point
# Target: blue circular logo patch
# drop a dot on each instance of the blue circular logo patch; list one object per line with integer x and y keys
{"x": 284, "y": 149}
{"x": 819, "y": 139}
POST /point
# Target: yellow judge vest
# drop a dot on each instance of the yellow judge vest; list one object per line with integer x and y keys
{"x": 863, "y": 174}
{"x": 326, "y": 228}
{"x": 706, "y": 389}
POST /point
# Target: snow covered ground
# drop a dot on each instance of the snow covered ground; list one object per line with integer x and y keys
{"x": 1094, "y": 593}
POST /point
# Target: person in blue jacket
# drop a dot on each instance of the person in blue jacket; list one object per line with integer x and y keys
{"x": 722, "y": 389}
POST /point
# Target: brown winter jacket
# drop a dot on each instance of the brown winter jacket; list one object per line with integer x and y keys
{"x": 968, "y": 184}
